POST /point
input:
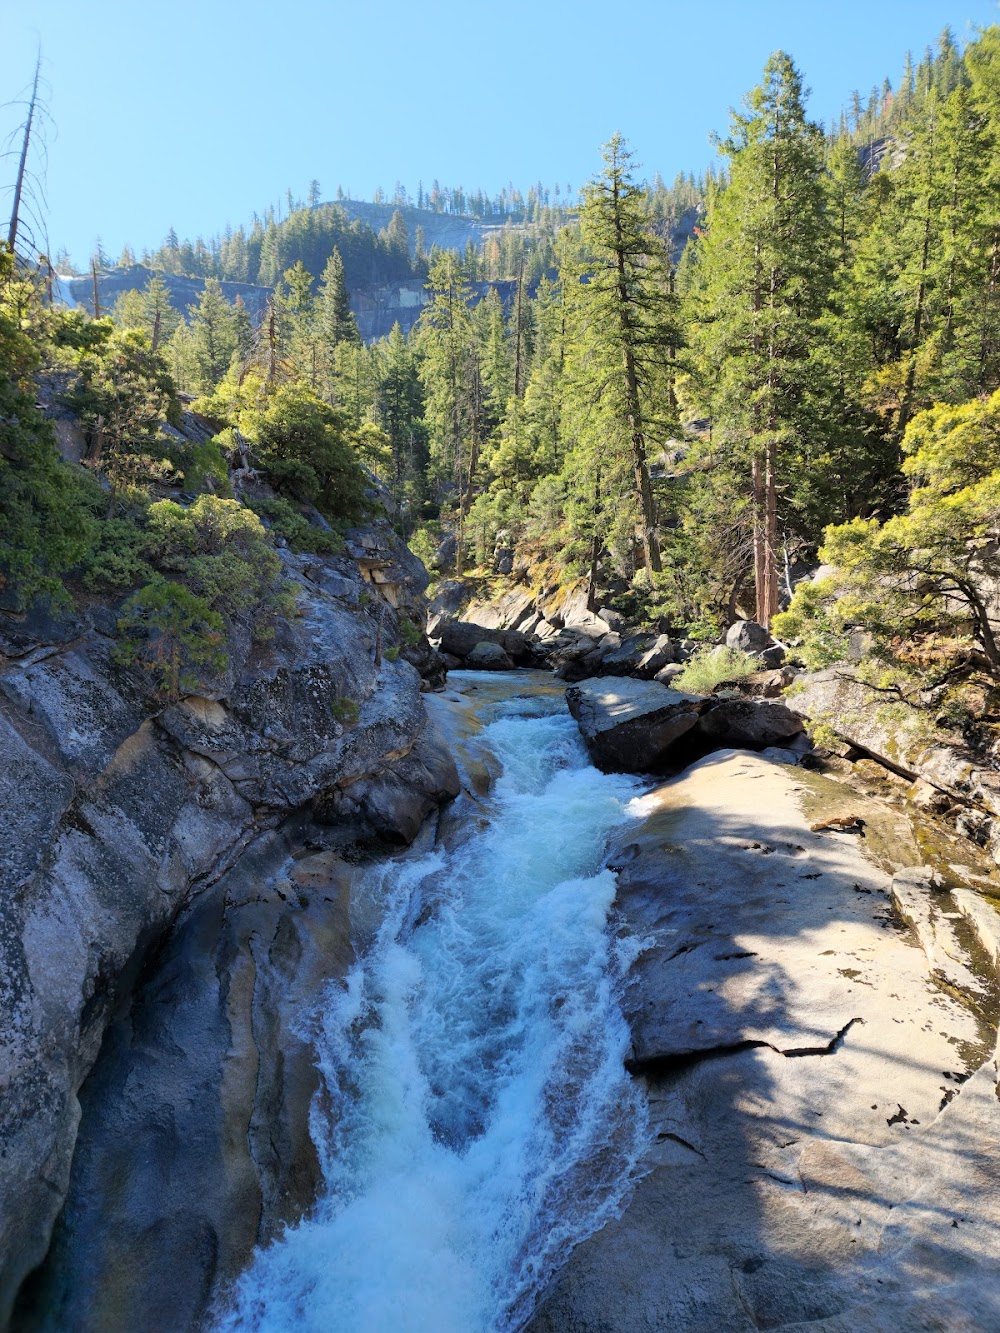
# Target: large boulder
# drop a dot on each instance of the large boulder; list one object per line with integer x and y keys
{"x": 748, "y": 636}
{"x": 488, "y": 656}
{"x": 459, "y": 638}
{"x": 630, "y": 726}
{"x": 749, "y": 724}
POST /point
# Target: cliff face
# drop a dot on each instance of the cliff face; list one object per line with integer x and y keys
{"x": 172, "y": 888}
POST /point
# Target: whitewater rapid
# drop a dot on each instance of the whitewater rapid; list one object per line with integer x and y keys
{"x": 476, "y": 1121}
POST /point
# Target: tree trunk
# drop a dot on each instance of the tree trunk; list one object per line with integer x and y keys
{"x": 770, "y": 602}
{"x": 759, "y": 540}
{"x": 22, "y": 164}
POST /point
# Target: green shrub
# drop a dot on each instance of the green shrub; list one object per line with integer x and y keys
{"x": 174, "y": 635}
{"x": 305, "y": 446}
{"x": 221, "y": 551}
{"x": 424, "y": 542}
{"x": 345, "y": 710}
{"x": 409, "y": 633}
{"x": 301, "y": 535}
{"x": 709, "y": 667}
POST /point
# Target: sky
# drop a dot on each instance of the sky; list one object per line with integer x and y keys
{"x": 198, "y": 113}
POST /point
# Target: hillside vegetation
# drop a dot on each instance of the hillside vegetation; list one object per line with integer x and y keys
{"x": 685, "y": 426}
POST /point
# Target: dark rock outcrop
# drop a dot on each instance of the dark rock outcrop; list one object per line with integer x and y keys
{"x": 630, "y": 726}
{"x": 488, "y": 656}
{"x": 460, "y": 638}
{"x": 137, "y": 830}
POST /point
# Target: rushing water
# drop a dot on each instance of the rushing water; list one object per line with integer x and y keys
{"x": 477, "y": 1121}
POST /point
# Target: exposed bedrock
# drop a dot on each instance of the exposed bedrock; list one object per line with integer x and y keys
{"x": 950, "y": 777}
{"x": 821, "y": 1076}
{"x": 185, "y": 857}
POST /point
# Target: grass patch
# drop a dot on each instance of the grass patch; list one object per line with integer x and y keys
{"x": 709, "y": 667}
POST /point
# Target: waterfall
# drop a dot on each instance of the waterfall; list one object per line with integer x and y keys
{"x": 476, "y": 1121}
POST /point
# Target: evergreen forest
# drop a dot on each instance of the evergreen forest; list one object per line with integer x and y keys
{"x": 683, "y": 395}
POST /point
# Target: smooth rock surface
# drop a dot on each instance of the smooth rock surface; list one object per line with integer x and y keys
{"x": 824, "y": 1110}
{"x": 489, "y": 657}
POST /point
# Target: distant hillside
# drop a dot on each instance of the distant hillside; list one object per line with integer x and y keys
{"x": 183, "y": 291}
{"x": 449, "y": 231}
{"x": 376, "y": 306}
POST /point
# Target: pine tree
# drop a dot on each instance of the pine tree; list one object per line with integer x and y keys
{"x": 213, "y": 329}
{"x": 452, "y": 383}
{"x": 400, "y": 414}
{"x": 336, "y": 319}
{"x": 766, "y": 265}
{"x": 623, "y": 326}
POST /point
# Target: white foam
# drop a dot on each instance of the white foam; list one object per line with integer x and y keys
{"x": 482, "y": 1122}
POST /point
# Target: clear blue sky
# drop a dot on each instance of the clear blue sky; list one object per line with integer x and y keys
{"x": 195, "y": 113}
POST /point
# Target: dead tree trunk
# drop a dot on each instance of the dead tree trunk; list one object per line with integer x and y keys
{"x": 23, "y": 163}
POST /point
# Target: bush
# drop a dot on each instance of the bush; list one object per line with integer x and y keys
{"x": 305, "y": 446}
{"x": 709, "y": 667}
{"x": 46, "y": 505}
{"x": 222, "y": 552}
{"x": 301, "y": 535}
{"x": 174, "y": 635}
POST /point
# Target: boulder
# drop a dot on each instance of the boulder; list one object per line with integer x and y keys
{"x": 748, "y": 636}
{"x": 750, "y": 724}
{"x": 624, "y": 660}
{"x": 487, "y": 656}
{"x": 767, "y": 684}
{"x": 459, "y": 638}
{"x": 669, "y": 673}
{"x": 444, "y": 556}
{"x": 662, "y": 652}
{"x": 630, "y": 726}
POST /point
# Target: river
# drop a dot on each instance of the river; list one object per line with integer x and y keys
{"x": 476, "y": 1121}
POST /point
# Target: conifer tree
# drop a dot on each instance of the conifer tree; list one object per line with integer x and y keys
{"x": 766, "y": 266}
{"x": 336, "y": 319}
{"x": 623, "y": 326}
{"x": 213, "y": 329}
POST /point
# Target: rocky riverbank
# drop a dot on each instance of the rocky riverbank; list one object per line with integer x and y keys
{"x": 814, "y": 1021}
{"x": 175, "y": 891}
